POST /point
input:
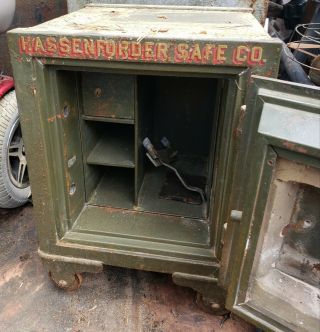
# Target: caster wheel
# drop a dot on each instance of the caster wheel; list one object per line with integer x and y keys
{"x": 210, "y": 307}
{"x": 70, "y": 285}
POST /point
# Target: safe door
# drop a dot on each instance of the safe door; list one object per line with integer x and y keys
{"x": 275, "y": 275}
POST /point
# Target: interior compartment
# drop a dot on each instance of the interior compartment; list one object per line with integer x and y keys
{"x": 118, "y": 173}
{"x": 114, "y": 146}
{"x": 114, "y": 188}
{"x": 108, "y": 95}
{"x": 184, "y": 110}
{"x": 108, "y": 156}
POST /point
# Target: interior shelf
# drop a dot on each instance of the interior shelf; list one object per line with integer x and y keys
{"x": 113, "y": 150}
{"x": 104, "y": 119}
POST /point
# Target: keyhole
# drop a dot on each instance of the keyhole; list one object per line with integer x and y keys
{"x": 97, "y": 92}
{"x": 66, "y": 111}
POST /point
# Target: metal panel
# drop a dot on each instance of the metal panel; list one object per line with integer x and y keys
{"x": 274, "y": 244}
{"x": 289, "y": 124}
{"x": 109, "y": 96}
{"x": 259, "y": 7}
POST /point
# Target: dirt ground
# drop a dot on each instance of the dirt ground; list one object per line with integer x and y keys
{"x": 115, "y": 300}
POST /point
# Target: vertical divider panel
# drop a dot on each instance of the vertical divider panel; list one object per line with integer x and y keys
{"x": 142, "y": 115}
{"x": 138, "y": 172}
{"x": 220, "y": 93}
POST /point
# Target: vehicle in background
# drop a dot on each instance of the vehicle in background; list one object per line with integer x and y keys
{"x": 14, "y": 181}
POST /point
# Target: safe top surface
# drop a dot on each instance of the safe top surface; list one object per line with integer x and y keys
{"x": 154, "y": 34}
{"x": 157, "y": 22}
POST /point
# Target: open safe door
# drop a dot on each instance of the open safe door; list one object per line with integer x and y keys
{"x": 275, "y": 274}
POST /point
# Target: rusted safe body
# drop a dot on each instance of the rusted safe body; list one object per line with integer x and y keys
{"x": 158, "y": 139}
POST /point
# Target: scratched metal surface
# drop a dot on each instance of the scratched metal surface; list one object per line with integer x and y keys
{"x": 115, "y": 300}
{"x": 159, "y": 23}
{"x": 259, "y": 6}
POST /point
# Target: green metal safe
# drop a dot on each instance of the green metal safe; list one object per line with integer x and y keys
{"x": 153, "y": 144}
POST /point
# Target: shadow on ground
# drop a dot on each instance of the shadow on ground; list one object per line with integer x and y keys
{"x": 115, "y": 300}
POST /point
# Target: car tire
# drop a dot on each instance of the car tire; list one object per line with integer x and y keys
{"x": 14, "y": 181}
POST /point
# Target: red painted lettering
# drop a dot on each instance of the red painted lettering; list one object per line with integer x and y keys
{"x": 64, "y": 46}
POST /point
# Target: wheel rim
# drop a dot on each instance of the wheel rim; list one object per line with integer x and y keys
{"x": 17, "y": 162}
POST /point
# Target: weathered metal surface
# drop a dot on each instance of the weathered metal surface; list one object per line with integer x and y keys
{"x": 259, "y": 7}
{"x": 109, "y": 96}
{"x": 29, "y": 13}
{"x": 300, "y": 253}
{"x": 163, "y": 35}
{"x": 284, "y": 259}
{"x": 279, "y": 169}
{"x": 114, "y": 300}
{"x": 293, "y": 125}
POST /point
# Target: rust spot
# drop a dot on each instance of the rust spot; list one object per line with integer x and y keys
{"x": 163, "y": 17}
{"x": 203, "y": 32}
{"x": 271, "y": 162}
{"x": 316, "y": 266}
{"x": 253, "y": 5}
{"x": 286, "y": 229}
{"x": 52, "y": 119}
{"x": 293, "y": 146}
{"x": 268, "y": 73}
{"x": 298, "y": 227}
{"x": 57, "y": 116}
{"x": 110, "y": 209}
